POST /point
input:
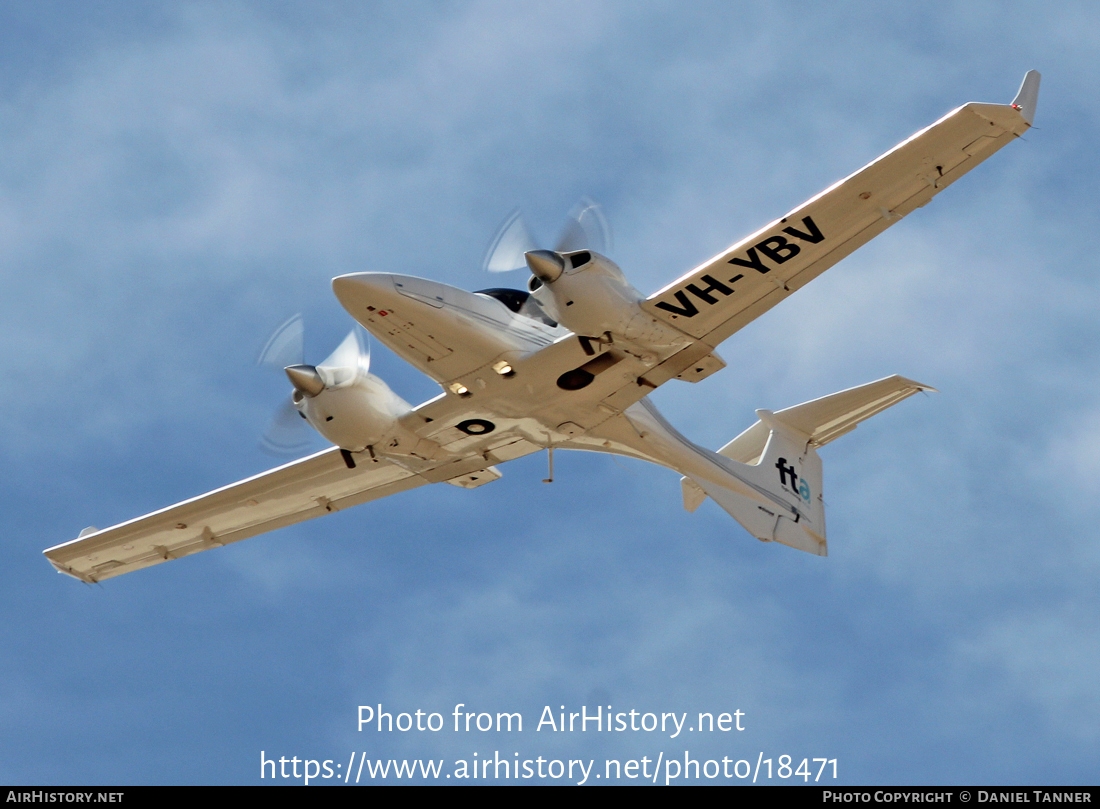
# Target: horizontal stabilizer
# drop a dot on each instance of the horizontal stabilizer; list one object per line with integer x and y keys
{"x": 825, "y": 419}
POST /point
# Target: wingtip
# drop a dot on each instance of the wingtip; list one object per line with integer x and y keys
{"x": 914, "y": 384}
{"x": 1027, "y": 99}
{"x": 68, "y": 571}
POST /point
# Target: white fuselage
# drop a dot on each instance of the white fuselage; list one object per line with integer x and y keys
{"x": 443, "y": 331}
{"x": 507, "y": 370}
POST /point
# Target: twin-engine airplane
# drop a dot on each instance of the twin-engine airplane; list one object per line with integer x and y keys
{"x": 567, "y": 364}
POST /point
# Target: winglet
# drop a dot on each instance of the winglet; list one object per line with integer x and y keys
{"x": 1028, "y": 97}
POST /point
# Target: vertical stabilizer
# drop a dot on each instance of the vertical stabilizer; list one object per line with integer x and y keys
{"x": 788, "y": 505}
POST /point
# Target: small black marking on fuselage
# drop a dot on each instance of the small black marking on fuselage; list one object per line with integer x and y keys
{"x": 476, "y": 426}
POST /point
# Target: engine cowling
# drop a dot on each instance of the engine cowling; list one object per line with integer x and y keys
{"x": 592, "y": 296}
{"x": 353, "y": 414}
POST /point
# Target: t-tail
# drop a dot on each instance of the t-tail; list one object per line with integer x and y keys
{"x": 773, "y": 485}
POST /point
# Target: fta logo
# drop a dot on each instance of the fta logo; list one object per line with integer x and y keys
{"x": 786, "y": 471}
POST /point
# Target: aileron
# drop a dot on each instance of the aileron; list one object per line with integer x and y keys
{"x": 298, "y": 491}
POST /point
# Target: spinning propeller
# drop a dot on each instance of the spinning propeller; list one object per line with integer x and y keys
{"x": 585, "y": 229}
{"x": 288, "y": 433}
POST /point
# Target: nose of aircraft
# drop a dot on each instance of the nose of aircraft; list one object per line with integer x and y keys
{"x": 360, "y": 290}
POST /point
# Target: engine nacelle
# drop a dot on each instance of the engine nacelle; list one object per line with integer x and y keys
{"x": 354, "y": 414}
{"x": 592, "y": 296}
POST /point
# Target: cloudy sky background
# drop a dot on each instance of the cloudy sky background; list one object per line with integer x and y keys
{"x": 177, "y": 179}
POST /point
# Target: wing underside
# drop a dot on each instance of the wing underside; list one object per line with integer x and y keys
{"x": 735, "y": 287}
{"x": 298, "y": 491}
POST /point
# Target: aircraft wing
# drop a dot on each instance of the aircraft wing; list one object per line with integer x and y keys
{"x": 735, "y": 287}
{"x": 307, "y": 488}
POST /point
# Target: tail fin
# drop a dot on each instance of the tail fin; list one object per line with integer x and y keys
{"x": 777, "y": 457}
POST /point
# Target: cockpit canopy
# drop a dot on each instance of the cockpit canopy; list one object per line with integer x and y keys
{"x": 520, "y": 302}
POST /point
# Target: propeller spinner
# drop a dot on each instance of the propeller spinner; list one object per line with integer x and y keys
{"x": 286, "y": 434}
{"x": 585, "y": 228}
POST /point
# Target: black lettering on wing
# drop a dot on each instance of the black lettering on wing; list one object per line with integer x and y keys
{"x": 812, "y": 235}
{"x": 753, "y": 262}
{"x": 778, "y": 249}
{"x": 713, "y": 285}
{"x": 687, "y": 307}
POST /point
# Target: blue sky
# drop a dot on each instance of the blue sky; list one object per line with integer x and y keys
{"x": 177, "y": 179}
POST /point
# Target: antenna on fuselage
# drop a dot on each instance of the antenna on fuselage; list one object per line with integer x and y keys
{"x": 550, "y": 458}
